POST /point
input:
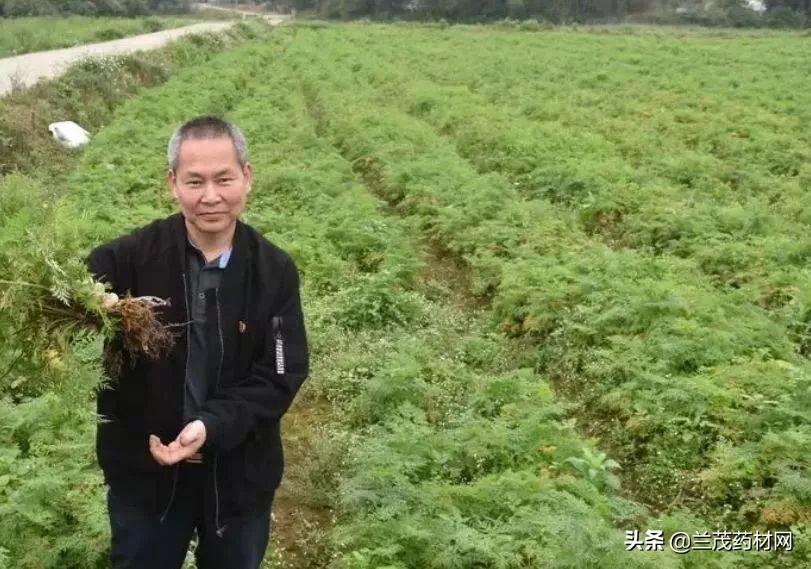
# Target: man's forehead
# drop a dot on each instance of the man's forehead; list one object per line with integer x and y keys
{"x": 216, "y": 144}
{"x": 204, "y": 155}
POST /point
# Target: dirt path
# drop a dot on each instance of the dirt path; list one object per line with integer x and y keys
{"x": 25, "y": 70}
{"x": 300, "y": 531}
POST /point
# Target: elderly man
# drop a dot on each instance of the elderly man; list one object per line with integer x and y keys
{"x": 191, "y": 442}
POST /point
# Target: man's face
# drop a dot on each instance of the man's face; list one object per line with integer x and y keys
{"x": 209, "y": 185}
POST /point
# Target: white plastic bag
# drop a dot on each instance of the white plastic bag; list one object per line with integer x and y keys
{"x": 69, "y": 134}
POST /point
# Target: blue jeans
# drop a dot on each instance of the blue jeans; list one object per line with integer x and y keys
{"x": 141, "y": 541}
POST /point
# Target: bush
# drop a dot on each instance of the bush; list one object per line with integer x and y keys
{"x": 137, "y": 8}
{"x": 153, "y": 25}
{"x": 743, "y": 17}
{"x": 81, "y": 8}
{"x": 785, "y": 17}
{"x": 16, "y": 8}
{"x": 108, "y": 34}
{"x": 378, "y": 300}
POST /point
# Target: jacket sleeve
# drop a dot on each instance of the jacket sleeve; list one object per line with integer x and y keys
{"x": 111, "y": 262}
{"x": 101, "y": 264}
{"x": 263, "y": 394}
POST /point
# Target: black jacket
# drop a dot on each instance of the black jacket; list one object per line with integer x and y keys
{"x": 251, "y": 389}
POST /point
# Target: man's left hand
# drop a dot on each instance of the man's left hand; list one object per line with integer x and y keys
{"x": 187, "y": 443}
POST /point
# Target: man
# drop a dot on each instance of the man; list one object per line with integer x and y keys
{"x": 191, "y": 441}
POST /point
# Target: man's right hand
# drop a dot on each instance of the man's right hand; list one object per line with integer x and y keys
{"x": 185, "y": 446}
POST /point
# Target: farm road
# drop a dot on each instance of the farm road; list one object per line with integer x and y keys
{"x": 27, "y": 69}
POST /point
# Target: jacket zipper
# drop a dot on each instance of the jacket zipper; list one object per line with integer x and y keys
{"x": 185, "y": 381}
{"x": 220, "y": 530}
{"x": 172, "y": 497}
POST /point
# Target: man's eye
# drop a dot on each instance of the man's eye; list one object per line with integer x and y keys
{"x": 193, "y": 182}
{"x": 224, "y": 180}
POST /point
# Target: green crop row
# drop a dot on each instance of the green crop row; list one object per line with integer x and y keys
{"x": 394, "y": 155}
{"x": 700, "y": 393}
{"x": 676, "y": 159}
{"x": 717, "y": 182}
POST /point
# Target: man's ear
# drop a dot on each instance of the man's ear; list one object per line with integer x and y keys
{"x": 247, "y": 171}
{"x": 170, "y": 182}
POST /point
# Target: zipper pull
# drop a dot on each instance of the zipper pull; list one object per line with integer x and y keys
{"x": 276, "y": 324}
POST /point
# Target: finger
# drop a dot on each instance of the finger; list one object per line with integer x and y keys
{"x": 185, "y": 453}
{"x": 190, "y": 432}
{"x": 158, "y": 455}
{"x": 154, "y": 449}
{"x": 176, "y": 454}
{"x": 159, "y": 451}
{"x": 188, "y": 438}
{"x": 185, "y": 434}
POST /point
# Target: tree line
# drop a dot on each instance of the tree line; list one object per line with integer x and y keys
{"x": 736, "y": 13}
{"x": 18, "y": 8}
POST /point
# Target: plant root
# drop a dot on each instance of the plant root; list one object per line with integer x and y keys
{"x": 143, "y": 333}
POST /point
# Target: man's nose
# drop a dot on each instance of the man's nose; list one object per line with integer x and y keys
{"x": 210, "y": 192}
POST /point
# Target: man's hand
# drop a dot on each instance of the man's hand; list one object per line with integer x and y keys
{"x": 187, "y": 443}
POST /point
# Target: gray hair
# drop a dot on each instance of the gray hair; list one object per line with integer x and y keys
{"x": 209, "y": 126}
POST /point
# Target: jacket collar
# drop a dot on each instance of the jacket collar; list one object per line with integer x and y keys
{"x": 234, "y": 279}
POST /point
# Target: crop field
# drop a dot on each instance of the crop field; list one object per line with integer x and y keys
{"x": 556, "y": 285}
{"x": 24, "y": 35}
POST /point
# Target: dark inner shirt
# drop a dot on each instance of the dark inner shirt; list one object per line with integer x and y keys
{"x": 201, "y": 276}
